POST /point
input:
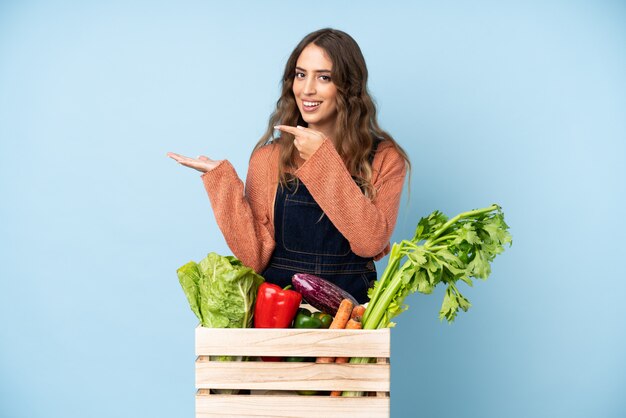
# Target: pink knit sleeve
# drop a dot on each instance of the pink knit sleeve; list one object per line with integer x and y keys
{"x": 242, "y": 215}
{"x": 366, "y": 224}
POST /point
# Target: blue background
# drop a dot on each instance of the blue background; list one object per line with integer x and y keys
{"x": 518, "y": 103}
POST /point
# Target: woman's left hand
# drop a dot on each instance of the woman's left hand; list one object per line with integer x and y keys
{"x": 307, "y": 141}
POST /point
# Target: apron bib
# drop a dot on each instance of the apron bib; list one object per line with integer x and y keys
{"x": 308, "y": 242}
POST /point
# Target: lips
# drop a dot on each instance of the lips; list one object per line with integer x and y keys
{"x": 310, "y": 106}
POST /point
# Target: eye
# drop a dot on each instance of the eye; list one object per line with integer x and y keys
{"x": 299, "y": 74}
{"x": 325, "y": 77}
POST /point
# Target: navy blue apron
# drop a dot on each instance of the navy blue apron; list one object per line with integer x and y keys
{"x": 308, "y": 242}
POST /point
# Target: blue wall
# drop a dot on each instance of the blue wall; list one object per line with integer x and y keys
{"x": 523, "y": 104}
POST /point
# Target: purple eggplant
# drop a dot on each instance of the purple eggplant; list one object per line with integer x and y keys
{"x": 320, "y": 293}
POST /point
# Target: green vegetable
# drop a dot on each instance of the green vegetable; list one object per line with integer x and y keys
{"x": 220, "y": 291}
{"x": 305, "y": 311}
{"x": 299, "y": 359}
{"x": 442, "y": 251}
{"x": 306, "y": 321}
{"x": 308, "y": 392}
{"x": 325, "y": 318}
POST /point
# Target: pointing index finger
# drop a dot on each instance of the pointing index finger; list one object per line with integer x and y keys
{"x": 288, "y": 129}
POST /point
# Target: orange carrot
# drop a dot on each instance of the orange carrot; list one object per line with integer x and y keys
{"x": 339, "y": 322}
{"x": 352, "y": 324}
{"x": 358, "y": 310}
{"x": 343, "y": 315}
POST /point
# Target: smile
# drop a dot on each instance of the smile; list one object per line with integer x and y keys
{"x": 310, "y": 106}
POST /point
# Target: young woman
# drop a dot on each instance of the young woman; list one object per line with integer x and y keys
{"x": 323, "y": 197}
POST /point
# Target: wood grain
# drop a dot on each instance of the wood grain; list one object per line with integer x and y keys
{"x": 277, "y": 406}
{"x": 292, "y": 342}
{"x": 291, "y": 376}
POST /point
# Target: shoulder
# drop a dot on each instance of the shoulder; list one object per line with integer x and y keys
{"x": 388, "y": 162}
{"x": 265, "y": 154}
{"x": 386, "y": 154}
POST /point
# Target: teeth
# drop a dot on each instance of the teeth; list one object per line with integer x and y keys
{"x": 309, "y": 104}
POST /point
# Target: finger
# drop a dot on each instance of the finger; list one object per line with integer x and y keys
{"x": 308, "y": 130}
{"x": 203, "y": 158}
{"x": 288, "y": 129}
{"x": 173, "y": 155}
{"x": 194, "y": 164}
{"x": 177, "y": 157}
{"x": 322, "y": 135}
{"x": 180, "y": 158}
{"x": 312, "y": 131}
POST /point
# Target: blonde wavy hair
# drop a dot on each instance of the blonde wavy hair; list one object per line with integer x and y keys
{"x": 357, "y": 125}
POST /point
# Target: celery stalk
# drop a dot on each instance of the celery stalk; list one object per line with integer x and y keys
{"x": 442, "y": 251}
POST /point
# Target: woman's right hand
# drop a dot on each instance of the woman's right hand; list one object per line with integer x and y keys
{"x": 202, "y": 163}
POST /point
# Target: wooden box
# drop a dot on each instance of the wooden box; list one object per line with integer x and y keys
{"x": 267, "y": 388}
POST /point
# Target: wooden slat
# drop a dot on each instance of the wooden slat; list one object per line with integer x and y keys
{"x": 278, "y": 406}
{"x": 381, "y": 361}
{"x": 291, "y": 376}
{"x": 292, "y": 342}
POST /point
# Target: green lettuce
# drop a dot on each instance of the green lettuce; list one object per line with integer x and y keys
{"x": 220, "y": 291}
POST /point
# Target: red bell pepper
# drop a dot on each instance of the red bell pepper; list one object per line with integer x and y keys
{"x": 275, "y": 308}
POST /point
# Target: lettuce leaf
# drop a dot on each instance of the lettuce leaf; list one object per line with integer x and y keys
{"x": 220, "y": 291}
{"x": 189, "y": 278}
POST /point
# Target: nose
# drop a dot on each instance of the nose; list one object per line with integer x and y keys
{"x": 309, "y": 86}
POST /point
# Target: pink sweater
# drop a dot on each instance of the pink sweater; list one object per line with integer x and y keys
{"x": 246, "y": 219}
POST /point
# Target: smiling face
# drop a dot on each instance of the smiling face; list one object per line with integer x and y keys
{"x": 315, "y": 93}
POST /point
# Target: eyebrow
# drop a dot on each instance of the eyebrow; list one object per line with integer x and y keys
{"x": 317, "y": 71}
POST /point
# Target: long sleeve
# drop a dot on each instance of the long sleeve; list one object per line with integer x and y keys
{"x": 366, "y": 224}
{"x": 244, "y": 218}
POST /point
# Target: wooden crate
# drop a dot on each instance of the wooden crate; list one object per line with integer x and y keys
{"x": 282, "y": 378}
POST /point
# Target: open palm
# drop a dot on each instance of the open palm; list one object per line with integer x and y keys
{"x": 202, "y": 163}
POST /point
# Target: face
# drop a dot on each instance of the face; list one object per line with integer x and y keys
{"x": 315, "y": 92}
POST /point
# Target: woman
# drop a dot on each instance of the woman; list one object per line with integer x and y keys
{"x": 322, "y": 198}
